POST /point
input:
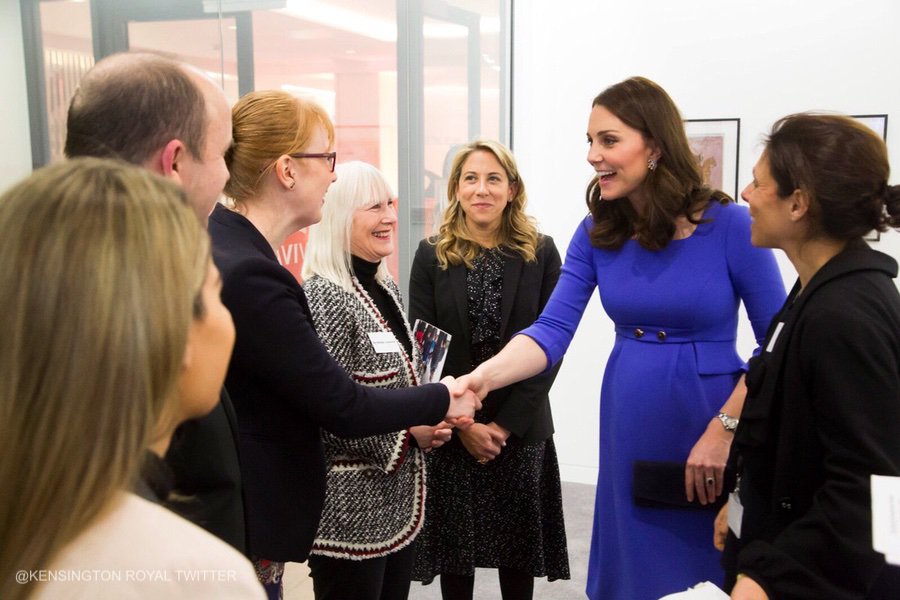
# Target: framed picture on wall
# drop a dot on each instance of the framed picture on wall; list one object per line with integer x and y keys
{"x": 716, "y": 146}
{"x": 878, "y": 124}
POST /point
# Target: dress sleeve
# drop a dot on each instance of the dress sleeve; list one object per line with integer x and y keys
{"x": 754, "y": 274}
{"x": 849, "y": 366}
{"x": 554, "y": 329}
{"x": 344, "y": 337}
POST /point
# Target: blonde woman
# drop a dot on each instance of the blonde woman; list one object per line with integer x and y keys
{"x": 494, "y": 496}
{"x": 113, "y": 334}
{"x": 375, "y": 485}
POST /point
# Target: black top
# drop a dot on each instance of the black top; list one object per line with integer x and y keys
{"x": 285, "y": 386}
{"x": 365, "y": 273}
{"x": 155, "y": 480}
{"x": 821, "y": 415}
{"x": 206, "y": 472}
{"x": 484, "y": 284}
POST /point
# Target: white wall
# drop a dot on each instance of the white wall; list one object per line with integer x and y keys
{"x": 15, "y": 149}
{"x": 753, "y": 59}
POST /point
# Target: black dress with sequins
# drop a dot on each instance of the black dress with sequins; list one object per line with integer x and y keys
{"x": 507, "y": 512}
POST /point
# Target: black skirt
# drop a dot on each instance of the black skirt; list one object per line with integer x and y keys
{"x": 505, "y": 513}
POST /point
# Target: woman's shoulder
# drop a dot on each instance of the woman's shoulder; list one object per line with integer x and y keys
{"x": 730, "y": 212}
{"x": 137, "y": 536}
{"x": 426, "y": 245}
{"x": 317, "y": 285}
{"x": 325, "y": 297}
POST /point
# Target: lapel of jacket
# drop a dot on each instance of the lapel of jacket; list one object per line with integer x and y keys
{"x": 457, "y": 275}
{"x": 512, "y": 271}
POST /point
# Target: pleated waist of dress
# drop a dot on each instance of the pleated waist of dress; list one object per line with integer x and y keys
{"x": 713, "y": 356}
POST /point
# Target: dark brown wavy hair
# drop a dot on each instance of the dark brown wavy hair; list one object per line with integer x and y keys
{"x": 842, "y": 165}
{"x": 674, "y": 189}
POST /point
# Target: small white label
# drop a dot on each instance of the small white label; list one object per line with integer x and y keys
{"x": 775, "y": 335}
{"x": 735, "y": 514}
{"x": 384, "y": 342}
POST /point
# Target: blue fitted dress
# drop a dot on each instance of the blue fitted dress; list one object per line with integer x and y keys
{"x": 673, "y": 365}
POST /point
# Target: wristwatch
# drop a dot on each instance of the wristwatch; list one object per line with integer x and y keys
{"x": 729, "y": 423}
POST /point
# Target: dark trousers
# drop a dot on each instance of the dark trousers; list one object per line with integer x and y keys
{"x": 384, "y": 578}
{"x": 514, "y": 585}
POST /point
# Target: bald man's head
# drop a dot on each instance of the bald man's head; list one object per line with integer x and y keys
{"x": 130, "y": 105}
{"x": 158, "y": 113}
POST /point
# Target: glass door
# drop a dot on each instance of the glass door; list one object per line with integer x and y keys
{"x": 452, "y": 90}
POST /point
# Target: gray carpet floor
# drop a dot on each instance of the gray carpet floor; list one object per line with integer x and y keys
{"x": 578, "y": 509}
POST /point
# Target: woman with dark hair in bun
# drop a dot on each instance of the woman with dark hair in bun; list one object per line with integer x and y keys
{"x": 823, "y": 404}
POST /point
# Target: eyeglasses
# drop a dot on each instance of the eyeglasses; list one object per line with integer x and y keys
{"x": 331, "y": 156}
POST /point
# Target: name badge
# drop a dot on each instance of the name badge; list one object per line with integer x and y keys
{"x": 775, "y": 335}
{"x": 384, "y": 342}
{"x": 735, "y": 514}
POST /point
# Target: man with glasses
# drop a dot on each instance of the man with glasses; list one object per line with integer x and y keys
{"x": 169, "y": 118}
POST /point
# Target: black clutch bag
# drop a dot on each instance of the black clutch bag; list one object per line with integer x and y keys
{"x": 660, "y": 484}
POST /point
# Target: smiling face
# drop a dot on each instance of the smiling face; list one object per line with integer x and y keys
{"x": 619, "y": 155}
{"x": 771, "y": 224}
{"x": 314, "y": 176}
{"x": 483, "y": 192}
{"x": 372, "y": 230}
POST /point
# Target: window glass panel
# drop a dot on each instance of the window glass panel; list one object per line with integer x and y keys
{"x": 208, "y": 44}
{"x": 68, "y": 54}
{"x": 462, "y": 77}
{"x": 342, "y": 54}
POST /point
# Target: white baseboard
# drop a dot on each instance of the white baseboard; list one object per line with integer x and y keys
{"x": 578, "y": 474}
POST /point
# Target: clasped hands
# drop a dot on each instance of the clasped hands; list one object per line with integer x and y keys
{"x": 483, "y": 441}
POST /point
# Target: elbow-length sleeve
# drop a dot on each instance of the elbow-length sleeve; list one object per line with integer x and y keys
{"x": 554, "y": 329}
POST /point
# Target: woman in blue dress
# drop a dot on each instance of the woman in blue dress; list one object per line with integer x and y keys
{"x": 671, "y": 260}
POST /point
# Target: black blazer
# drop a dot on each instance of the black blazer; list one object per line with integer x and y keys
{"x": 822, "y": 414}
{"x": 438, "y": 296}
{"x": 285, "y": 386}
{"x": 203, "y": 457}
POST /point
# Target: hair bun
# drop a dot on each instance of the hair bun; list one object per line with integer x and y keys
{"x": 891, "y": 197}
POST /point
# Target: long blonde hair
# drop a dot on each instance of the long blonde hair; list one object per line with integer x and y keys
{"x": 101, "y": 268}
{"x": 328, "y": 253}
{"x": 518, "y": 231}
{"x": 265, "y": 125}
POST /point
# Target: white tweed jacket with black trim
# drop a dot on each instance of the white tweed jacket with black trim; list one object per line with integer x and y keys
{"x": 375, "y": 491}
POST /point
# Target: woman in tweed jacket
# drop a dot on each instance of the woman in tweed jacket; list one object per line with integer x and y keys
{"x": 375, "y": 494}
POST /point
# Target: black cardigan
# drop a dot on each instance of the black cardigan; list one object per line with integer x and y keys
{"x": 822, "y": 414}
{"x": 285, "y": 386}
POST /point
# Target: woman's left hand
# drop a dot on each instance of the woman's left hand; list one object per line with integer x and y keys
{"x": 704, "y": 472}
{"x": 429, "y": 437}
{"x": 483, "y": 442}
